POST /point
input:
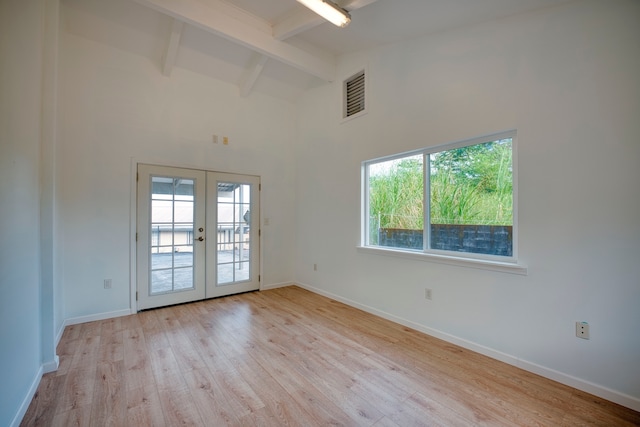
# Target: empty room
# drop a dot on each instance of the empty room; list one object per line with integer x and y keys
{"x": 299, "y": 212}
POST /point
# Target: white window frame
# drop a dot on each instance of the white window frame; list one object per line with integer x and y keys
{"x": 508, "y": 264}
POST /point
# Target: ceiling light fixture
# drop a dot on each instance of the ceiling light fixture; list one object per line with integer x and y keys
{"x": 329, "y": 11}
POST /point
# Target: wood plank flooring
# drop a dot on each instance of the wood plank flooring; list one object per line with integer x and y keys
{"x": 288, "y": 357}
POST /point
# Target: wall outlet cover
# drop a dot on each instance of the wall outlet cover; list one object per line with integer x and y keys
{"x": 582, "y": 330}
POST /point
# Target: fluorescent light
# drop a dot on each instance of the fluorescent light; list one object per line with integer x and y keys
{"x": 329, "y": 11}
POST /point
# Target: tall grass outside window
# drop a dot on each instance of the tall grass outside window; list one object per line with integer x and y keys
{"x": 464, "y": 191}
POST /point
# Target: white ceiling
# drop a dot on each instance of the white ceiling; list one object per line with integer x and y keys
{"x": 271, "y": 46}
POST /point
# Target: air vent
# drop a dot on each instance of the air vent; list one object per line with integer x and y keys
{"x": 354, "y": 93}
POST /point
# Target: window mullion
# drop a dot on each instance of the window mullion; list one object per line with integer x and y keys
{"x": 426, "y": 232}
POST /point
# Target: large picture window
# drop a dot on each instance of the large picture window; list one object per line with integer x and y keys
{"x": 455, "y": 199}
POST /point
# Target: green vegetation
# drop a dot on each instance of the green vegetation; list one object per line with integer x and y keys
{"x": 396, "y": 193}
{"x": 469, "y": 185}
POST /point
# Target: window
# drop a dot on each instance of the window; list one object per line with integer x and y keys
{"x": 463, "y": 191}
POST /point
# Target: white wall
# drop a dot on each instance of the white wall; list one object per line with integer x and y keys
{"x": 567, "y": 79}
{"x": 20, "y": 102}
{"x": 116, "y": 106}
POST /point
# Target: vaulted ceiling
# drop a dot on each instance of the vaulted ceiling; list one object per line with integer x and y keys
{"x": 272, "y": 46}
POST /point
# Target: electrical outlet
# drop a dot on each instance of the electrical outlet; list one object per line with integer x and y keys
{"x": 428, "y": 294}
{"x": 315, "y": 267}
{"x": 582, "y": 330}
{"x": 107, "y": 283}
{"x": 215, "y": 139}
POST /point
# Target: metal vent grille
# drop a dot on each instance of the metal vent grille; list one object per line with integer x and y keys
{"x": 354, "y": 94}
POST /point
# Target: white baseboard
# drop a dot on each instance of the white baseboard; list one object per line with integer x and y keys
{"x": 51, "y": 366}
{"x": 59, "y": 334}
{"x": 17, "y": 419}
{"x": 580, "y": 384}
{"x": 586, "y": 386}
{"x": 94, "y": 317}
{"x": 275, "y": 286}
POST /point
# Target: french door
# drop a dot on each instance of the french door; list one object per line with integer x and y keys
{"x": 197, "y": 235}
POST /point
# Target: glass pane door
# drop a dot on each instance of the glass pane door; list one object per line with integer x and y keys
{"x": 235, "y": 218}
{"x": 197, "y": 235}
{"x": 170, "y": 249}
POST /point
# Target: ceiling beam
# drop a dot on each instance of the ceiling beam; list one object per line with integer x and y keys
{"x": 252, "y": 73}
{"x": 301, "y": 19}
{"x": 171, "y": 53}
{"x": 298, "y": 19}
{"x": 244, "y": 29}
{"x": 355, "y": 4}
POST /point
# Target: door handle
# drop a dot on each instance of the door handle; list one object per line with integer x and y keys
{"x": 200, "y": 239}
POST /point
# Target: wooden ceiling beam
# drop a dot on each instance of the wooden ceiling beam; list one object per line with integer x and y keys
{"x": 252, "y": 73}
{"x": 245, "y": 29}
{"x": 171, "y": 53}
{"x": 300, "y": 19}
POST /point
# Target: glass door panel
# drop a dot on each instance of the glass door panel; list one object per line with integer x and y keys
{"x": 234, "y": 248}
{"x": 172, "y": 220}
{"x": 171, "y": 202}
{"x": 235, "y": 218}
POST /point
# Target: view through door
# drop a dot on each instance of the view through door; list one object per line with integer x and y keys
{"x": 198, "y": 235}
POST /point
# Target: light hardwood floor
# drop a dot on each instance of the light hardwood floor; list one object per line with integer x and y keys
{"x": 291, "y": 357}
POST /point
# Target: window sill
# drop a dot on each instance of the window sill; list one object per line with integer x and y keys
{"x": 503, "y": 267}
